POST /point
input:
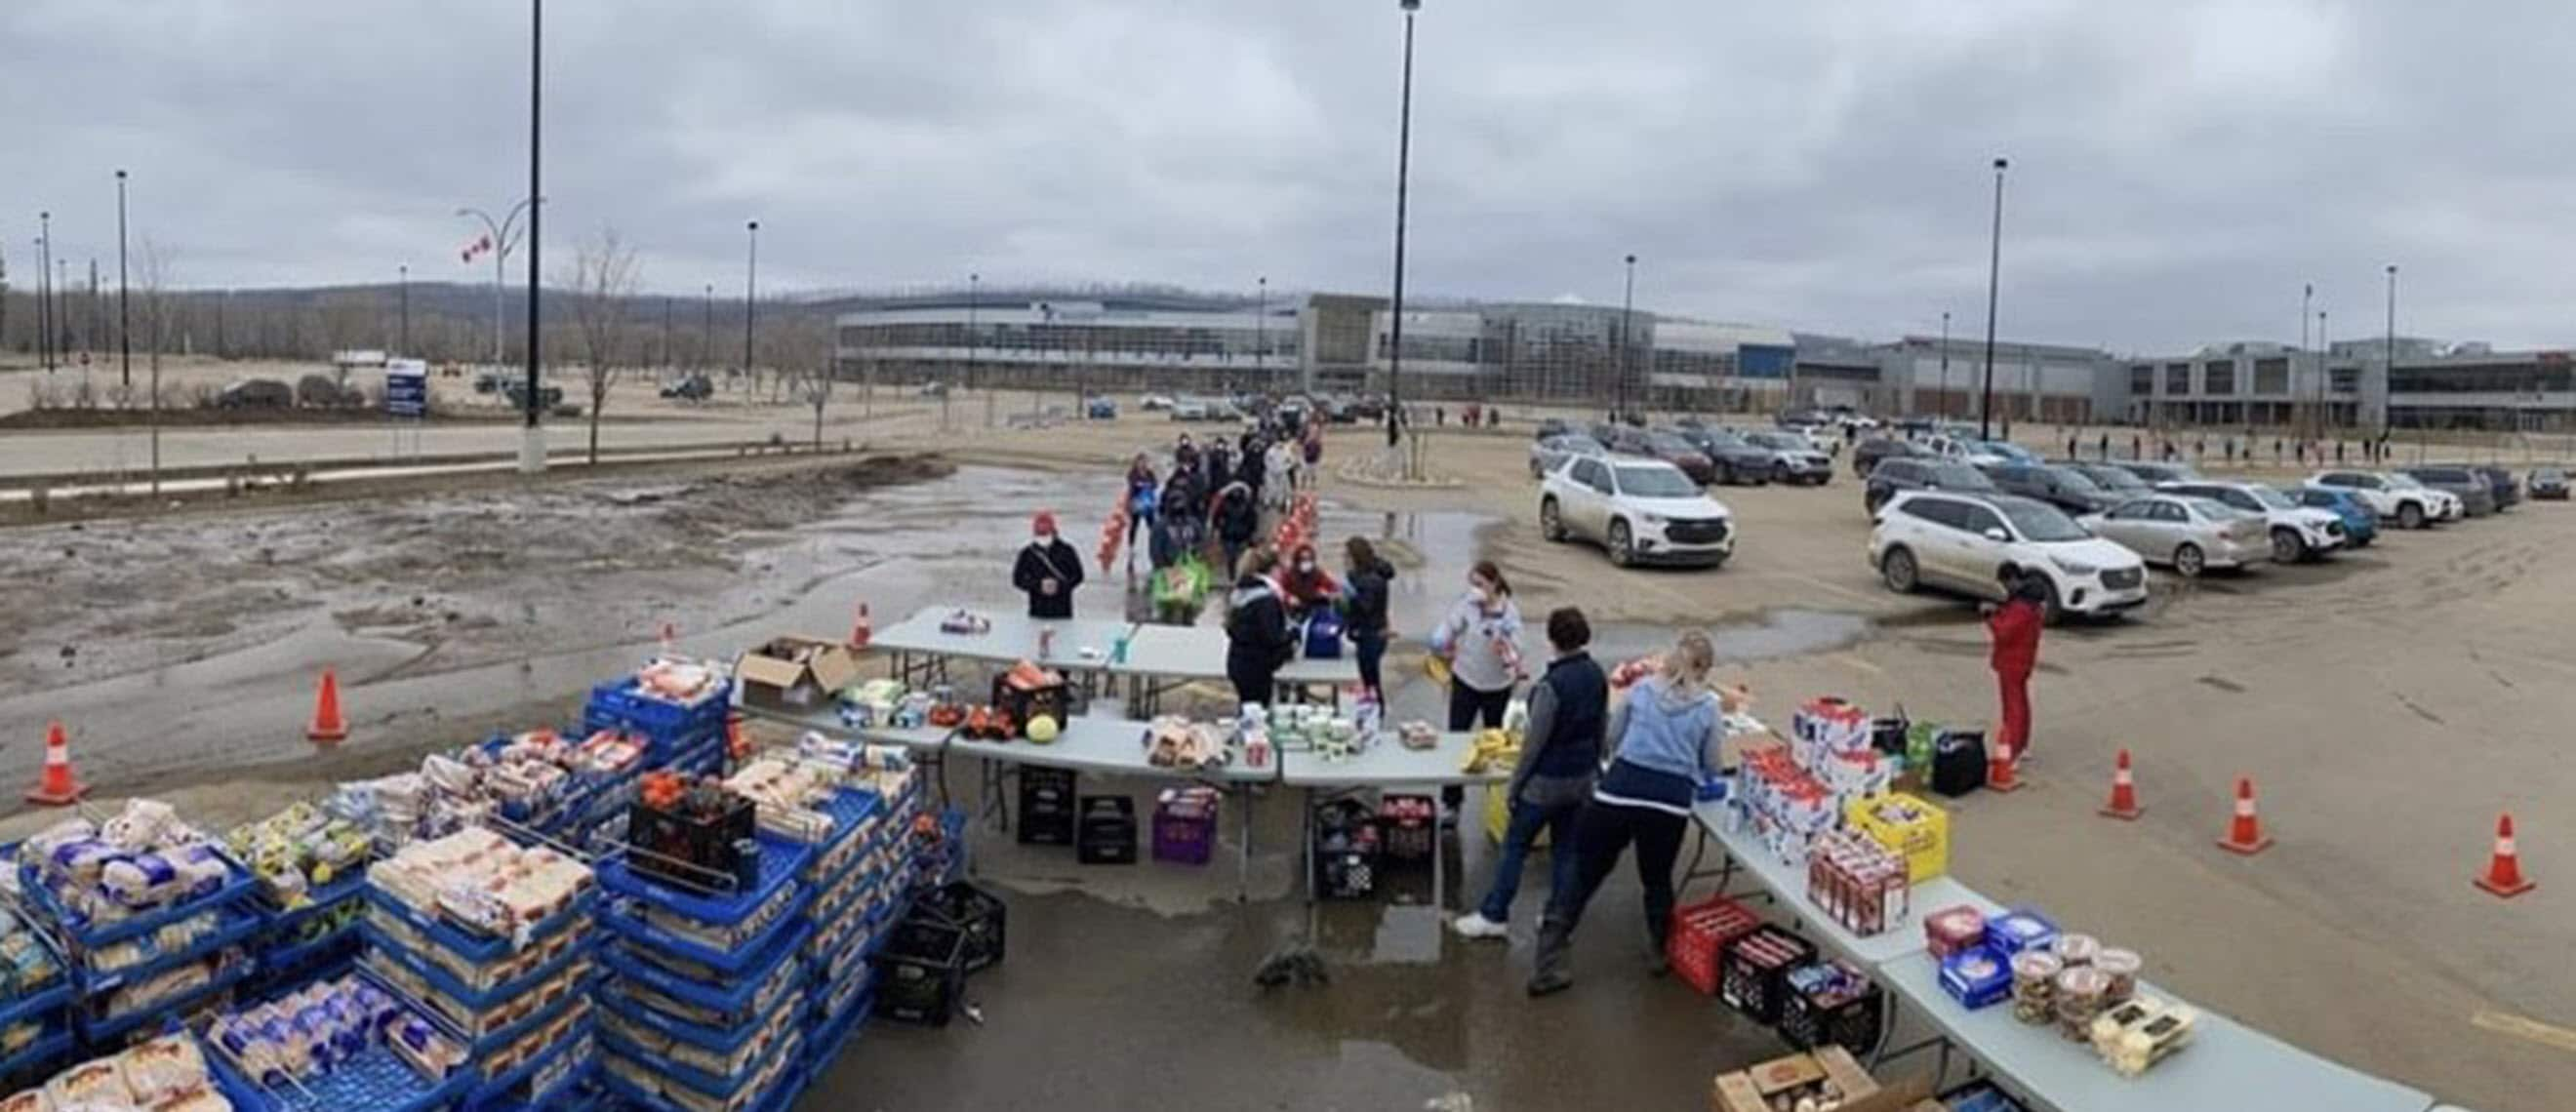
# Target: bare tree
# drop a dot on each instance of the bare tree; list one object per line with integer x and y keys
{"x": 603, "y": 278}
{"x": 814, "y": 388}
{"x": 153, "y": 277}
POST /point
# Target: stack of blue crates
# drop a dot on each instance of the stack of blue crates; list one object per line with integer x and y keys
{"x": 374, "y": 1079}
{"x": 310, "y": 941}
{"x": 522, "y": 1003}
{"x": 35, "y": 1003}
{"x": 705, "y": 1002}
{"x": 127, "y": 972}
{"x": 688, "y": 738}
{"x": 858, "y": 876}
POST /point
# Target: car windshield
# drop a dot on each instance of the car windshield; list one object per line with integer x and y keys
{"x": 2112, "y": 478}
{"x": 2270, "y": 498}
{"x": 1720, "y": 438}
{"x": 1999, "y": 448}
{"x": 2403, "y": 481}
{"x": 1958, "y": 476}
{"x": 1667, "y": 442}
{"x": 1779, "y": 440}
{"x": 2072, "y": 479}
{"x": 2039, "y": 521}
{"x": 2215, "y": 510}
{"x": 2550, "y": 474}
{"x": 1655, "y": 482}
{"x": 1576, "y": 444}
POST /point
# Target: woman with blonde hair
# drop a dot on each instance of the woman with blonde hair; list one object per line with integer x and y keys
{"x": 1665, "y": 733}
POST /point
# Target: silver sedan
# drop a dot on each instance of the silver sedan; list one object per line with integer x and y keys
{"x": 2190, "y": 535}
{"x": 1547, "y": 453}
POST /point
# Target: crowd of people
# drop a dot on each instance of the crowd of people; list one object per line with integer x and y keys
{"x": 2246, "y": 449}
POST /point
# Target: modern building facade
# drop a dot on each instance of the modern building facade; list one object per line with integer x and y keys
{"x": 2355, "y": 386}
{"x": 1095, "y": 340}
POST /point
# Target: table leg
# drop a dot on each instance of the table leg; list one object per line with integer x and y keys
{"x": 1243, "y": 866}
{"x": 1306, "y": 844}
{"x": 1439, "y": 858}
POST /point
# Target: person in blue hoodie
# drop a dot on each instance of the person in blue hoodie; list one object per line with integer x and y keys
{"x": 1666, "y": 732}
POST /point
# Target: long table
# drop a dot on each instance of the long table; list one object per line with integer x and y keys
{"x": 1387, "y": 764}
{"x": 1087, "y": 647}
{"x": 1194, "y": 653}
{"x": 2227, "y": 1067}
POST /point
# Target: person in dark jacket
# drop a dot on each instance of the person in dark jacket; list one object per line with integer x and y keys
{"x": 1569, "y": 710}
{"x": 1184, "y": 453}
{"x": 1368, "y": 578}
{"x": 1235, "y": 520}
{"x": 1048, "y": 570}
{"x": 1257, "y": 637}
{"x": 2015, "y": 627}
{"x": 1250, "y": 468}
{"x": 1220, "y": 466}
{"x": 1184, "y": 494}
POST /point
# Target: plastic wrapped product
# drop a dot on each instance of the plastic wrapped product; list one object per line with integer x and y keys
{"x": 2034, "y": 985}
{"x": 90, "y": 1083}
{"x": 2081, "y": 995}
{"x": 2123, "y": 966}
{"x": 32, "y": 1100}
{"x": 2077, "y": 949}
{"x": 162, "y": 1067}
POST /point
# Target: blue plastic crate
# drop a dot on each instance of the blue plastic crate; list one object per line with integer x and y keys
{"x": 478, "y": 949}
{"x": 784, "y": 1092}
{"x": 318, "y": 901}
{"x": 726, "y": 1041}
{"x": 234, "y": 925}
{"x": 583, "y": 1034}
{"x": 35, "y": 1003}
{"x": 376, "y": 1080}
{"x": 732, "y": 995}
{"x": 97, "y": 1030}
{"x": 381, "y": 947}
{"x": 236, "y": 888}
{"x": 566, "y": 1095}
{"x": 752, "y": 951}
{"x": 617, "y": 705}
{"x": 780, "y": 862}
{"x": 720, "y": 1088}
{"x": 834, "y": 1035}
{"x": 37, "y": 1058}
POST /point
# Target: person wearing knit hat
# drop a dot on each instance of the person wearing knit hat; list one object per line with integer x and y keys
{"x": 1048, "y": 570}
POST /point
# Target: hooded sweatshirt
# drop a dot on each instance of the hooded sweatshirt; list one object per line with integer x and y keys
{"x": 1663, "y": 737}
{"x": 1485, "y": 645}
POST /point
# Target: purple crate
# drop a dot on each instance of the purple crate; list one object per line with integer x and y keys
{"x": 1185, "y": 831}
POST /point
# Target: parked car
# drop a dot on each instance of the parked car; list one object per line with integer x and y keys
{"x": 1730, "y": 458}
{"x": 1975, "y": 544}
{"x": 1867, "y": 454}
{"x": 2115, "y": 480}
{"x": 1551, "y": 427}
{"x": 1904, "y": 473}
{"x": 1547, "y": 454}
{"x": 1640, "y": 511}
{"x": 2500, "y": 483}
{"x": 549, "y": 398}
{"x": 933, "y": 389}
{"x": 691, "y": 387}
{"x": 2062, "y": 487}
{"x": 2298, "y": 533}
{"x": 1189, "y": 409}
{"x": 2004, "y": 450}
{"x": 2547, "y": 484}
{"x": 2394, "y": 497}
{"x": 2154, "y": 473}
{"x": 1100, "y": 409}
{"x": 256, "y": 393}
{"x": 2189, "y": 535}
{"x": 1793, "y": 458}
{"x": 1672, "y": 448}
{"x": 2360, "y": 522}
{"x": 1154, "y": 403}
{"x": 2476, "y": 494}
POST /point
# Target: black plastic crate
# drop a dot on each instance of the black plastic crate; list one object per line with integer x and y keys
{"x": 1753, "y": 971}
{"x": 921, "y": 973}
{"x": 1346, "y": 851}
{"x": 1046, "y": 806}
{"x": 1808, "y": 1021}
{"x": 1107, "y": 835}
{"x": 980, "y": 914}
{"x": 1407, "y": 826}
{"x": 717, "y": 854}
{"x": 1981, "y": 1095}
{"x": 1023, "y": 704}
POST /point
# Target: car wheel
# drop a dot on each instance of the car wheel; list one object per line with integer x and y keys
{"x": 2287, "y": 548}
{"x": 1870, "y": 501}
{"x": 2410, "y": 515}
{"x": 1780, "y": 473}
{"x": 2189, "y": 560}
{"x": 2050, "y": 612}
{"x": 1551, "y": 522}
{"x": 1896, "y": 569}
{"x": 1623, "y": 550}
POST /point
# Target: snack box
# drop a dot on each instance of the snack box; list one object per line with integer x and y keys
{"x": 1977, "y": 976}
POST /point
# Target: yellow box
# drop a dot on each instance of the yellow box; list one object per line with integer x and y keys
{"x": 1909, "y": 827}
{"x": 1498, "y": 817}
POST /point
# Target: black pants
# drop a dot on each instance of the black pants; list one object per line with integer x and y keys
{"x": 1601, "y": 833}
{"x": 1371, "y": 650}
{"x": 1466, "y": 707}
{"x": 1253, "y": 682}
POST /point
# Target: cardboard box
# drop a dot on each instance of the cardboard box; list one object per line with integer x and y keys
{"x": 1750, "y": 1090}
{"x": 796, "y": 673}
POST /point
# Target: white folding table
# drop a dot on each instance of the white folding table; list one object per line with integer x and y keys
{"x": 1114, "y": 747}
{"x": 1385, "y": 764}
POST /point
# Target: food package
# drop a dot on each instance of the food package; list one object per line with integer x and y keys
{"x": 1977, "y": 976}
{"x": 2020, "y": 929}
{"x": 1857, "y": 882}
{"x": 2122, "y": 966}
{"x": 683, "y": 682}
{"x": 96, "y": 1083}
{"x": 787, "y": 793}
{"x": 2034, "y": 985}
{"x": 2082, "y": 994}
{"x": 162, "y": 1068}
{"x": 299, "y": 849}
{"x": 1490, "y": 751}
{"x": 1952, "y": 929}
{"x": 27, "y": 964}
{"x": 2076, "y": 949}
{"x": 480, "y": 880}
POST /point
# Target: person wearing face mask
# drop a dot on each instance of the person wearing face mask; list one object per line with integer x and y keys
{"x": 1258, "y": 640}
{"x": 1307, "y": 585}
{"x": 1184, "y": 453}
{"x": 1048, "y": 570}
{"x": 1481, "y": 641}
{"x": 1370, "y": 577}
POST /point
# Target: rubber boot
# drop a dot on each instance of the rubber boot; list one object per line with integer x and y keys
{"x": 1552, "y": 972}
{"x": 1656, "y": 937}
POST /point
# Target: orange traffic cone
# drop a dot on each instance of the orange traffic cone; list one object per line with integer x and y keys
{"x": 670, "y": 639}
{"x": 864, "y": 630}
{"x": 59, "y": 788}
{"x": 328, "y": 726}
{"x": 2245, "y": 835}
{"x": 2124, "y": 792}
{"x": 2504, "y": 870}
{"x": 1999, "y": 769}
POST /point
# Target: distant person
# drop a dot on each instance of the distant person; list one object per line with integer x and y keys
{"x": 1252, "y": 468}
{"x": 2070, "y": 445}
{"x": 1235, "y": 521}
{"x": 2231, "y": 449}
{"x": 1185, "y": 494}
{"x": 2199, "y": 448}
{"x": 1048, "y": 570}
{"x": 1257, "y": 638}
{"x": 1440, "y": 415}
{"x": 2104, "y": 449}
{"x": 1305, "y": 584}
{"x": 1569, "y": 710}
{"x": 1364, "y": 620}
{"x": 1665, "y": 734}
{"x": 2338, "y": 453}
{"x": 1493, "y": 418}
{"x": 1142, "y": 490}
{"x": 2276, "y": 451}
{"x": 1220, "y": 468}
{"x": 2134, "y": 446}
{"x": 1279, "y": 464}
{"x": 1184, "y": 453}
{"x": 2015, "y": 628}
{"x": 1314, "y": 452}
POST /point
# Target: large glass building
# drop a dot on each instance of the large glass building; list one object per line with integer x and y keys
{"x": 1057, "y": 339}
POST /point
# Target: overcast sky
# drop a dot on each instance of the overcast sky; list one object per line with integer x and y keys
{"x": 2179, "y": 168}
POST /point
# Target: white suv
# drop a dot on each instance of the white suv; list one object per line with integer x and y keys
{"x": 1641, "y": 510}
{"x": 2398, "y": 498}
{"x": 2298, "y": 532}
{"x": 1976, "y": 544}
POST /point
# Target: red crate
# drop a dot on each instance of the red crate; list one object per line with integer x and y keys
{"x": 1698, "y": 933}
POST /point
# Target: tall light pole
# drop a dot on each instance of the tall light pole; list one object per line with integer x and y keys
{"x": 1994, "y": 273}
{"x": 750, "y": 291}
{"x": 45, "y": 289}
{"x": 1627, "y": 317}
{"x": 974, "y": 301}
{"x": 1261, "y": 332}
{"x": 666, "y": 334}
{"x": 405, "y": 340}
{"x": 1403, "y": 172}
{"x": 1942, "y": 405}
{"x": 124, "y": 333}
{"x": 532, "y": 443}
{"x": 503, "y": 234}
{"x": 707, "y": 328}
{"x": 2388, "y": 350}
{"x": 2307, "y": 293}
{"x": 2324, "y": 345}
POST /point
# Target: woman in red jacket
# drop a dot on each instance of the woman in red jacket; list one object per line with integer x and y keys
{"x": 2015, "y": 627}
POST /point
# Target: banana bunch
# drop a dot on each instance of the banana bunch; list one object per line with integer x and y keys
{"x": 1491, "y": 750}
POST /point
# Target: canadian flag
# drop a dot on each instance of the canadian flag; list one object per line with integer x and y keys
{"x": 479, "y": 245}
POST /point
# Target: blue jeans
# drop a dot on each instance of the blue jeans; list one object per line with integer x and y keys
{"x": 1372, "y": 652}
{"x": 1527, "y": 819}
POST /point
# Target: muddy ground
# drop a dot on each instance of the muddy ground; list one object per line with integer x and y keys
{"x": 2388, "y": 702}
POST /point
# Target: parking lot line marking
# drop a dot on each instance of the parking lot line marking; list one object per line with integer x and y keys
{"x": 2530, "y": 1030}
{"x": 1835, "y": 588}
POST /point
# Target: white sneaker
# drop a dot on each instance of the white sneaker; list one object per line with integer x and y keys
{"x": 1475, "y": 925}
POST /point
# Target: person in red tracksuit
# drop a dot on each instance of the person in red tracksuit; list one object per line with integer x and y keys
{"x": 2015, "y": 627}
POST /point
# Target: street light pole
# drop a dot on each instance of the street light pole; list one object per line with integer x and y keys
{"x": 1941, "y": 406}
{"x": 707, "y": 329}
{"x": 45, "y": 289}
{"x": 405, "y": 269}
{"x": 124, "y": 337}
{"x": 750, "y": 292}
{"x": 1994, "y": 274}
{"x": 532, "y": 443}
{"x": 1261, "y": 334}
{"x": 2324, "y": 345}
{"x": 974, "y": 301}
{"x": 502, "y": 233}
{"x": 2388, "y": 350}
{"x": 1627, "y": 316}
{"x": 2307, "y": 293}
{"x": 1403, "y": 174}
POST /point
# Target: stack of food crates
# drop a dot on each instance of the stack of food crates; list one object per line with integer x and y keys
{"x": 154, "y": 917}
{"x": 35, "y": 1000}
{"x": 345, "y": 1044}
{"x": 707, "y": 990}
{"x": 859, "y": 875}
{"x": 312, "y": 872}
{"x": 679, "y": 705}
{"x": 496, "y": 941}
